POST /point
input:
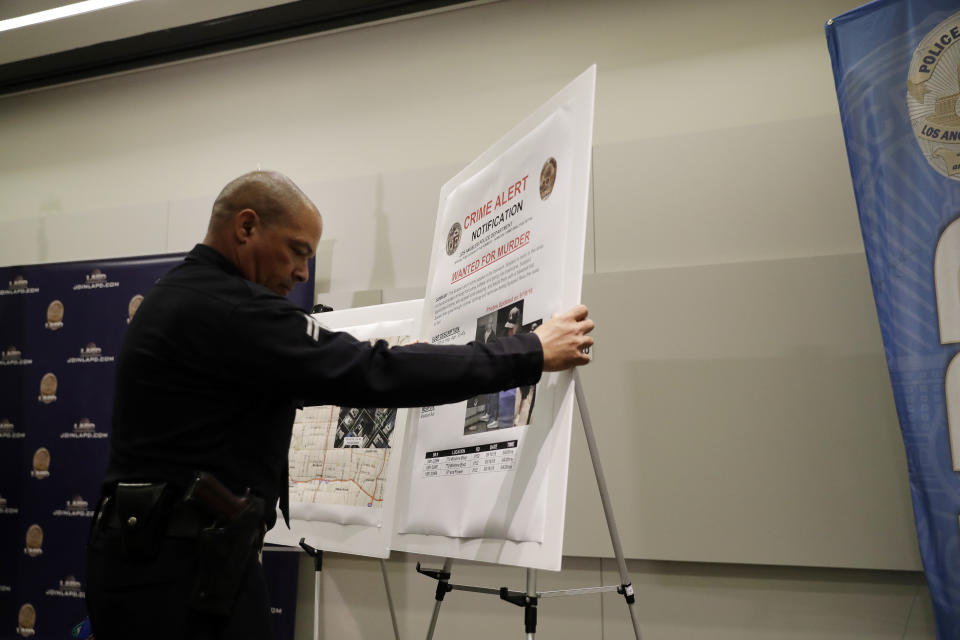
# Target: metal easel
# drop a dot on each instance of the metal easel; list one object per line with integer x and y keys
{"x": 529, "y": 598}
{"x": 317, "y": 555}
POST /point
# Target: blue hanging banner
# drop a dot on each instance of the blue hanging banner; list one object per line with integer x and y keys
{"x": 897, "y": 69}
{"x": 61, "y": 327}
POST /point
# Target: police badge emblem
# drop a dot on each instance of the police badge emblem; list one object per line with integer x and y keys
{"x": 933, "y": 97}
{"x": 453, "y": 238}
{"x": 132, "y": 307}
{"x": 54, "y": 315}
{"x": 48, "y": 388}
{"x": 26, "y": 621}
{"x": 548, "y": 176}
{"x": 34, "y": 541}
{"x": 41, "y": 464}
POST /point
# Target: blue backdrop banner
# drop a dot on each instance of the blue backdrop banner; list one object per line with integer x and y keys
{"x": 896, "y": 64}
{"x": 61, "y": 327}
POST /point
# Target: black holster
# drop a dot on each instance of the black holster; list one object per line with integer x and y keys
{"x": 224, "y": 553}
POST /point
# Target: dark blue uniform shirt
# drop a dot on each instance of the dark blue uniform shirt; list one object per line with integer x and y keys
{"x": 214, "y": 366}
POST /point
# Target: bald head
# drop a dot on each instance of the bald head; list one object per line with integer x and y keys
{"x": 272, "y": 195}
{"x": 267, "y": 227}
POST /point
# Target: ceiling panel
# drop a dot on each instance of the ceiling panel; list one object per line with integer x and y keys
{"x": 151, "y": 32}
{"x": 123, "y": 21}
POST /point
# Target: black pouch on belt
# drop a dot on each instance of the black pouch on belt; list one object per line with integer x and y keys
{"x": 142, "y": 509}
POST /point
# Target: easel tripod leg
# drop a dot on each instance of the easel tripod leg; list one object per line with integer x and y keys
{"x": 442, "y": 589}
{"x": 393, "y": 613}
{"x": 530, "y": 610}
{"x": 317, "y": 555}
{"x": 626, "y": 587}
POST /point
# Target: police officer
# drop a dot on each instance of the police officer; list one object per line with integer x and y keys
{"x": 212, "y": 369}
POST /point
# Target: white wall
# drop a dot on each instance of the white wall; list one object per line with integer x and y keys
{"x": 746, "y": 414}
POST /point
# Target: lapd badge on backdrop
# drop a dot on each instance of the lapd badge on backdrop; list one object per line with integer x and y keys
{"x": 48, "y": 388}
{"x": 54, "y": 316}
{"x": 90, "y": 353}
{"x": 84, "y": 428}
{"x": 96, "y": 279}
{"x": 8, "y": 430}
{"x": 34, "y": 537}
{"x": 41, "y": 464}
{"x": 69, "y": 587}
{"x": 18, "y": 285}
{"x": 12, "y": 356}
{"x": 548, "y": 176}
{"x": 76, "y": 507}
{"x": 933, "y": 97}
{"x": 6, "y": 509}
{"x": 132, "y": 307}
{"x": 26, "y": 621}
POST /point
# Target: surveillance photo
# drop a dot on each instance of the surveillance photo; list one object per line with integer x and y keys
{"x": 364, "y": 428}
{"x": 510, "y": 408}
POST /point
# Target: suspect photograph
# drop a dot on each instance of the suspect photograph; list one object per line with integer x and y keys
{"x": 510, "y": 408}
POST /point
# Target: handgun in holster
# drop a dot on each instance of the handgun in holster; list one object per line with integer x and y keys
{"x": 223, "y": 549}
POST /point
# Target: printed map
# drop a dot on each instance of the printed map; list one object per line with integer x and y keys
{"x": 340, "y": 455}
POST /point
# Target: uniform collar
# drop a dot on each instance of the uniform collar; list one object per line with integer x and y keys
{"x": 209, "y": 255}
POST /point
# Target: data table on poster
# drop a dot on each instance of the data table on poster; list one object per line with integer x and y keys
{"x": 487, "y": 458}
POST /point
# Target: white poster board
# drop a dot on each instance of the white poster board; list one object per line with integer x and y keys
{"x": 486, "y": 479}
{"x": 344, "y": 461}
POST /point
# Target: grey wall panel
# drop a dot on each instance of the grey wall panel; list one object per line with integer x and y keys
{"x": 752, "y": 192}
{"x": 711, "y": 602}
{"x": 744, "y": 415}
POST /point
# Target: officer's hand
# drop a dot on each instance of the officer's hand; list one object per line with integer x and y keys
{"x": 564, "y": 338}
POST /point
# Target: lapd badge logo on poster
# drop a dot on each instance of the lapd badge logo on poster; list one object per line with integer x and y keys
{"x": 41, "y": 464}
{"x": 933, "y": 96}
{"x": 34, "y": 541}
{"x": 453, "y": 238}
{"x": 26, "y": 621}
{"x": 548, "y": 176}
{"x": 132, "y": 307}
{"x": 48, "y": 388}
{"x": 54, "y": 316}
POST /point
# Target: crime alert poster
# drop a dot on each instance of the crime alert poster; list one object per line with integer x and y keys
{"x": 507, "y": 254}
